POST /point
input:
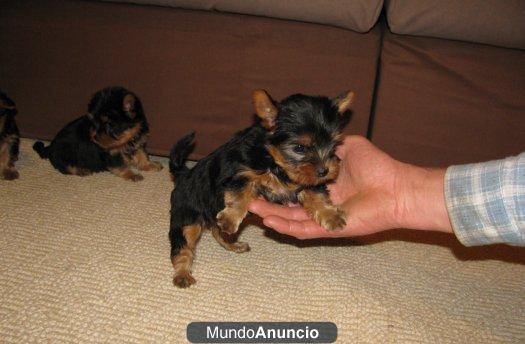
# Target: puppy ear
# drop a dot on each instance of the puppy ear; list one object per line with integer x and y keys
{"x": 128, "y": 104}
{"x": 264, "y": 108}
{"x": 344, "y": 101}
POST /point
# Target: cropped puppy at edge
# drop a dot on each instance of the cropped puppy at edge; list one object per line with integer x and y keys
{"x": 111, "y": 137}
{"x": 9, "y": 138}
{"x": 288, "y": 156}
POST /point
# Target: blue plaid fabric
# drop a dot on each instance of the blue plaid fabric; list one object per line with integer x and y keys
{"x": 486, "y": 201}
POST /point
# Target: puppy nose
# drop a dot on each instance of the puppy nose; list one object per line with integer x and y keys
{"x": 322, "y": 171}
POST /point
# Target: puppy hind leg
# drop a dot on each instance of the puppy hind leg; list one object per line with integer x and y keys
{"x": 182, "y": 259}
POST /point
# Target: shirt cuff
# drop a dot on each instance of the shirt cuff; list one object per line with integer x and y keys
{"x": 484, "y": 200}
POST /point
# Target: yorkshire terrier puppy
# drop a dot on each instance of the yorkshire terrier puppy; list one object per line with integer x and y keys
{"x": 288, "y": 156}
{"x": 9, "y": 138}
{"x": 111, "y": 137}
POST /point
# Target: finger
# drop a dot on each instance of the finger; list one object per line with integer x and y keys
{"x": 289, "y": 227}
{"x": 300, "y": 229}
{"x": 264, "y": 209}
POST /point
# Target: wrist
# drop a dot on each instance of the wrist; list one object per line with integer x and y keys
{"x": 424, "y": 199}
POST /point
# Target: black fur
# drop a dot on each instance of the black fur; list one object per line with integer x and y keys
{"x": 179, "y": 153}
{"x": 79, "y": 144}
{"x": 199, "y": 193}
{"x": 9, "y": 137}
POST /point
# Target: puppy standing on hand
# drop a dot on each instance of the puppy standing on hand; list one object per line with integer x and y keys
{"x": 111, "y": 137}
{"x": 288, "y": 157}
{"x": 9, "y": 138}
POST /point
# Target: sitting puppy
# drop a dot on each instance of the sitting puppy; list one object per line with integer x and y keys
{"x": 111, "y": 137}
{"x": 9, "y": 138}
{"x": 288, "y": 157}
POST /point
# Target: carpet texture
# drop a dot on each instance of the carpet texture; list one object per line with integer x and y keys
{"x": 87, "y": 260}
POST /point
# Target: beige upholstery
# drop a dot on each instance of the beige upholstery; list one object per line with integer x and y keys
{"x": 86, "y": 260}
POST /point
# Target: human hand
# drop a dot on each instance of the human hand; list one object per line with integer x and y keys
{"x": 376, "y": 192}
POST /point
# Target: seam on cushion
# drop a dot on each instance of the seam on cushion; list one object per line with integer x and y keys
{"x": 377, "y": 80}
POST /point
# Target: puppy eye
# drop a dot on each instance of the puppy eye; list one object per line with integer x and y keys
{"x": 299, "y": 149}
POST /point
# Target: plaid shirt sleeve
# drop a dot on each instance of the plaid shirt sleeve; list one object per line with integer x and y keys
{"x": 486, "y": 201}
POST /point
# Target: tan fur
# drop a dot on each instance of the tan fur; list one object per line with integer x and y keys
{"x": 4, "y": 154}
{"x": 264, "y": 108}
{"x": 269, "y": 181}
{"x": 7, "y": 166}
{"x": 141, "y": 160}
{"x": 303, "y": 174}
{"x": 127, "y": 174}
{"x": 183, "y": 261}
{"x": 319, "y": 207}
{"x": 238, "y": 247}
{"x": 78, "y": 171}
{"x": 107, "y": 142}
{"x": 344, "y": 101}
{"x": 129, "y": 104}
{"x": 305, "y": 140}
{"x": 236, "y": 208}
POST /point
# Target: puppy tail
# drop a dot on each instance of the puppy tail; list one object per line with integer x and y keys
{"x": 42, "y": 150}
{"x": 179, "y": 153}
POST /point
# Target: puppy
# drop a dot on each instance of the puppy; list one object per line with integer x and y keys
{"x": 111, "y": 137}
{"x": 288, "y": 156}
{"x": 9, "y": 138}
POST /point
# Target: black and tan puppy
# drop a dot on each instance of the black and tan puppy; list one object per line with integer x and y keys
{"x": 288, "y": 156}
{"x": 111, "y": 137}
{"x": 9, "y": 138}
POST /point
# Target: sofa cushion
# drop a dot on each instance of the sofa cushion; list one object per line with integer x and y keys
{"x": 193, "y": 70}
{"x": 358, "y": 15}
{"x": 496, "y": 22}
{"x": 441, "y": 102}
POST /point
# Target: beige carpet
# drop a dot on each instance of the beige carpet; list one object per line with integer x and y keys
{"x": 86, "y": 260}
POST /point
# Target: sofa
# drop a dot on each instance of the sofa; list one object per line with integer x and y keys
{"x": 433, "y": 88}
{"x": 437, "y": 83}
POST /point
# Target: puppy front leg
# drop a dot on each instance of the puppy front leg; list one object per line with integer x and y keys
{"x": 143, "y": 163}
{"x": 320, "y": 208}
{"x": 235, "y": 210}
{"x": 238, "y": 247}
{"x": 126, "y": 173}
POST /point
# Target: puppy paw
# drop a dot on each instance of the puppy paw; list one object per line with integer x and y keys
{"x": 152, "y": 166}
{"x": 156, "y": 166}
{"x": 135, "y": 177}
{"x": 240, "y": 247}
{"x": 10, "y": 174}
{"x": 226, "y": 223}
{"x": 331, "y": 218}
{"x": 183, "y": 279}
